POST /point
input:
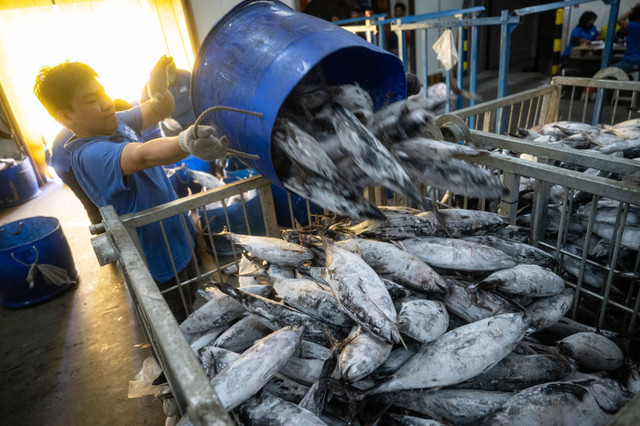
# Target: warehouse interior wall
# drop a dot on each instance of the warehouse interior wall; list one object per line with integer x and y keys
{"x": 206, "y": 13}
{"x": 121, "y": 40}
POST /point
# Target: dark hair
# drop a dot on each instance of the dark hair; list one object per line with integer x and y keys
{"x": 586, "y": 17}
{"x": 55, "y": 86}
{"x": 401, "y": 6}
{"x": 635, "y": 15}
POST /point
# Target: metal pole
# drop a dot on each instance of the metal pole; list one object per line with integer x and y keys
{"x": 606, "y": 55}
{"x": 447, "y": 107}
{"x": 425, "y": 62}
{"x": 473, "y": 70}
{"x": 503, "y": 73}
{"x": 461, "y": 59}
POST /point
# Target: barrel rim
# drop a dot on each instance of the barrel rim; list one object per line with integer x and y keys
{"x": 30, "y": 219}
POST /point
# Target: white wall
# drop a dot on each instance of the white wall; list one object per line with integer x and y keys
{"x": 207, "y": 12}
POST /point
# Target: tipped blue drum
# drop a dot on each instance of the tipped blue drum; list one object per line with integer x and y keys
{"x": 258, "y": 53}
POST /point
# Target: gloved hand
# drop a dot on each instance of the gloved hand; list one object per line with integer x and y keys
{"x": 206, "y": 146}
{"x": 158, "y": 79}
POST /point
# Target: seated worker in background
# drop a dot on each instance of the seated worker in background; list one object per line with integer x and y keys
{"x": 630, "y": 21}
{"x": 114, "y": 167}
{"x": 61, "y": 163}
{"x": 584, "y": 33}
{"x": 179, "y": 81}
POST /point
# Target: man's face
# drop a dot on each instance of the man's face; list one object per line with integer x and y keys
{"x": 92, "y": 112}
{"x": 398, "y": 12}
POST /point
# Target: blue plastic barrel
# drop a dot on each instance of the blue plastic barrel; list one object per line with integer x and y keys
{"x": 215, "y": 220}
{"x": 18, "y": 184}
{"x": 256, "y": 55}
{"x": 36, "y": 239}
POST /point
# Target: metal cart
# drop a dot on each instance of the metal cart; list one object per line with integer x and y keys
{"x": 189, "y": 384}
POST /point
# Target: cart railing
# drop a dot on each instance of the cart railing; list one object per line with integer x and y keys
{"x": 542, "y": 105}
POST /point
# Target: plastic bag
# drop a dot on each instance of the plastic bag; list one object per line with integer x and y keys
{"x": 142, "y": 384}
{"x": 445, "y": 48}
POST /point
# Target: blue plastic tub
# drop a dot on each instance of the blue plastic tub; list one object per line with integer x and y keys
{"x": 217, "y": 221}
{"x": 257, "y": 54}
{"x": 36, "y": 239}
{"x": 18, "y": 184}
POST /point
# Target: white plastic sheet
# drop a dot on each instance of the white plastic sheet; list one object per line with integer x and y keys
{"x": 445, "y": 48}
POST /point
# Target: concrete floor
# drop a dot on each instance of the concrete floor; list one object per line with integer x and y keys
{"x": 69, "y": 360}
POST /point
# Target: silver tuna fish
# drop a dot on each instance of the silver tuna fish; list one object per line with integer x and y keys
{"x": 361, "y": 293}
{"x": 459, "y": 354}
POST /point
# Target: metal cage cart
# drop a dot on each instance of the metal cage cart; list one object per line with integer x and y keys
{"x": 611, "y": 300}
{"x": 612, "y": 303}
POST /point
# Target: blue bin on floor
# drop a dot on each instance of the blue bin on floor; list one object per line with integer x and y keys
{"x": 258, "y": 53}
{"x": 18, "y": 184}
{"x": 38, "y": 240}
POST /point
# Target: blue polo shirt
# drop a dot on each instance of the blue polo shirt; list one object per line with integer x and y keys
{"x": 60, "y": 159}
{"x": 579, "y": 32}
{"x": 632, "y": 53}
{"x": 96, "y": 163}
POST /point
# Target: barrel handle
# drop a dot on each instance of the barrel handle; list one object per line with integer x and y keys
{"x": 13, "y": 233}
{"x": 27, "y": 264}
{"x": 224, "y": 108}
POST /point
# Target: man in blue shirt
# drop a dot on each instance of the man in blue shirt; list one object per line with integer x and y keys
{"x": 114, "y": 167}
{"x": 584, "y": 33}
{"x": 630, "y": 21}
{"x": 61, "y": 163}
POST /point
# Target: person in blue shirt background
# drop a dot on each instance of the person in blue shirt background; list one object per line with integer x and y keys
{"x": 630, "y": 21}
{"x": 584, "y": 33}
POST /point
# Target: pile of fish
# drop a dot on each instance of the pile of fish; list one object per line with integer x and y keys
{"x": 621, "y": 140}
{"x": 392, "y": 322}
{"x": 328, "y": 145}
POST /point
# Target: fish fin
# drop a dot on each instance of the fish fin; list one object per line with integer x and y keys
{"x": 440, "y": 219}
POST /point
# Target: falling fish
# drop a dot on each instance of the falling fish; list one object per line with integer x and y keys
{"x": 402, "y": 120}
{"x": 371, "y": 156}
{"x": 334, "y": 196}
{"x": 429, "y": 162}
{"x": 304, "y": 149}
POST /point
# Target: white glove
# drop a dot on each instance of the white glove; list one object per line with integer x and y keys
{"x": 206, "y": 146}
